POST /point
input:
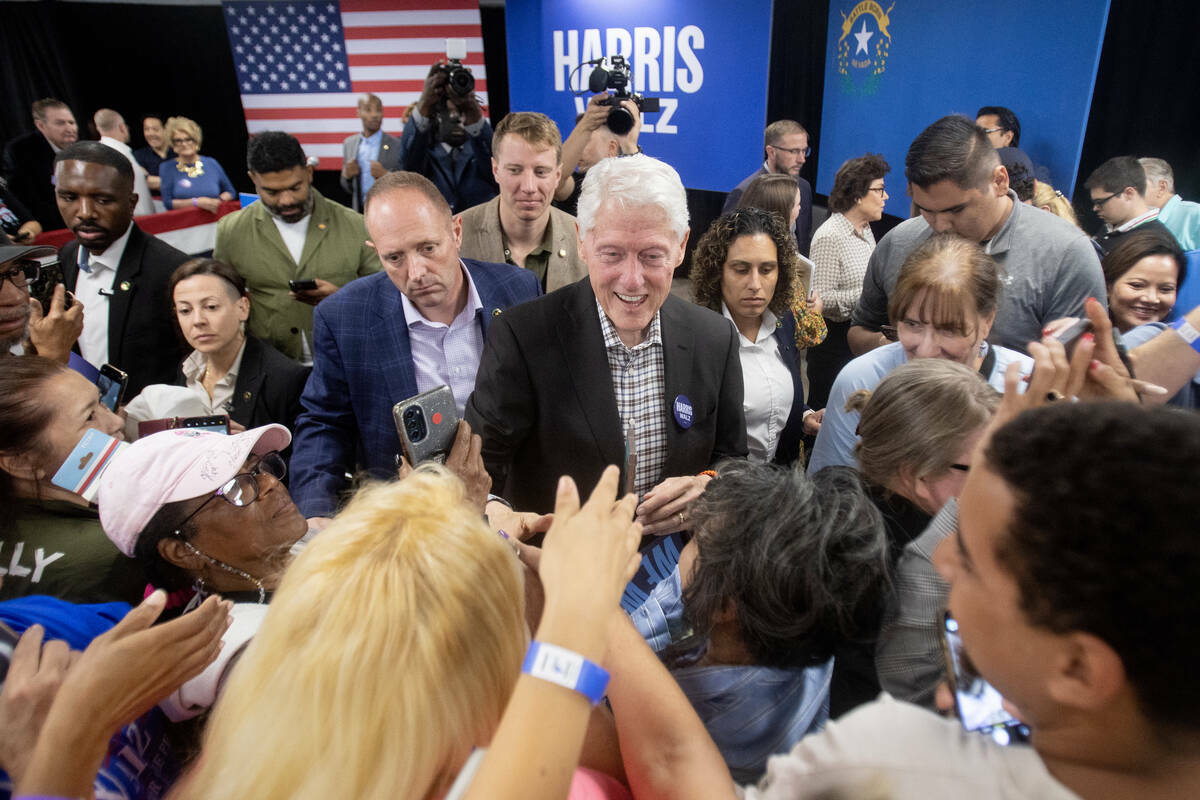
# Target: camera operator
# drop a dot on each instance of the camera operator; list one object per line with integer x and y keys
{"x": 591, "y": 141}
{"x": 449, "y": 141}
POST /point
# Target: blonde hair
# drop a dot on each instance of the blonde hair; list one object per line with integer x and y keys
{"x": 1048, "y": 198}
{"x": 188, "y": 126}
{"x": 390, "y": 650}
{"x": 919, "y": 417}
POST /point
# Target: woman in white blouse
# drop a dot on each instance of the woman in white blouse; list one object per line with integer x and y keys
{"x": 230, "y": 371}
{"x": 745, "y": 268}
{"x": 840, "y": 250}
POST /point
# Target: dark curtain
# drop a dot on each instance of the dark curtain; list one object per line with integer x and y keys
{"x": 1147, "y": 96}
{"x": 33, "y": 65}
{"x": 133, "y": 58}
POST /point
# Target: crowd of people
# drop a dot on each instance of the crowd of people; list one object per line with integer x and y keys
{"x": 684, "y": 539}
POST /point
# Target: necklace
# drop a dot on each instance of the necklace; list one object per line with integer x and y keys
{"x": 194, "y": 170}
{"x": 216, "y": 562}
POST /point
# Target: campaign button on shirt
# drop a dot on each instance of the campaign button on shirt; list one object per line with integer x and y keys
{"x": 682, "y": 409}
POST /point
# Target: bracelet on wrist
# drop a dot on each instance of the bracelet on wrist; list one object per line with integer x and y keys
{"x": 557, "y": 665}
{"x": 1187, "y": 332}
{"x": 712, "y": 473}
{"x": 195, "y": 202}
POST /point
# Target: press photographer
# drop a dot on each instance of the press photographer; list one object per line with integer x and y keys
{"x": 449, "y": 140}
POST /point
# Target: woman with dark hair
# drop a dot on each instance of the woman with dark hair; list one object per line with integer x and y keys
{"x": 943, "y": 306}
{"x": 782, "y": 570}
{"x": 1143, "y": 272}
{"x": 840, "y": 250}
{"x": 228, "y": 370}
{"x": 745, "y": 268}
{"x": 50, "y": 538}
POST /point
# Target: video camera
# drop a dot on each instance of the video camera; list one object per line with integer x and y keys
{"x": 619, "y": 120}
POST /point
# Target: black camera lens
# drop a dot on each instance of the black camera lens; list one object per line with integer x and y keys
{"x": 619, "y": 120}
{"x": 460, "y": 81}
{"x": 414, "y": 424}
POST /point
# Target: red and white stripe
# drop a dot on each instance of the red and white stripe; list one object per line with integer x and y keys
{"x": 390, "y": 45}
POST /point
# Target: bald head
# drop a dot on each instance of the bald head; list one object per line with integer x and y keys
{"x": 111, "y": 123}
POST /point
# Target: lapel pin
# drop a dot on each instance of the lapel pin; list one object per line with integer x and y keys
{"x": 495, "y": 312}
{"x": 321, "y": 226}
{"x": 125, "y": 286}
{"x": 682, "y": 408}
{"x": 385, "y": 147}
{"x": 245, "y": 395}
{"x": 562, "y": 253}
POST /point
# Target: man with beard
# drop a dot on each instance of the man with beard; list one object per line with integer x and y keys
{"x": 785, "y": 149}
{"x": 450, "y": 142}
{"x": 118, "y": 272}
{"x": 293, "y": 234}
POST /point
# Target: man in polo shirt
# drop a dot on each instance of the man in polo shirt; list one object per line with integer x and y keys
{"x": 1118, "y": 190}
{"x": 520, "y": 226}
{"x": 1182, "y": 217}
{"x": 959, "y": 185}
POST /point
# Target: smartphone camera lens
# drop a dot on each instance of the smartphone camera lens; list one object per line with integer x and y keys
{"x": 414, "y": 424}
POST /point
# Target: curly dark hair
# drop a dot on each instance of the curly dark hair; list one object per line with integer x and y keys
{"x": 1119, "y": 563}
{"x": 854, "y": 179}
{"x": 804, "y": 560}
{"x": 708, "y": 262}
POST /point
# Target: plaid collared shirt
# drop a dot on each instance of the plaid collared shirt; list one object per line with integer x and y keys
{"x": 639, "y": 383}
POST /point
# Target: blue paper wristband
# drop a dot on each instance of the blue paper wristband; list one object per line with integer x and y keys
{"x": 549, "y": 662}
{"x": 1189, "y": 334}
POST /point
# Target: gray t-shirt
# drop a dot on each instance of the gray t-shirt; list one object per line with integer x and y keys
{"x": 1048, "y": 269}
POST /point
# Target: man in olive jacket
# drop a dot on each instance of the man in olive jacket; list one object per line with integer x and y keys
{"x": 293, "y": 233}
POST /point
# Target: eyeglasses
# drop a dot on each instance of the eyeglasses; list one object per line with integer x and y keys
{"x": 879, "y": 189}
{"x": 1099, "y": 203}
{"x": 242, "y": 489}
{"x": 994, "y": 130}
{"x": 795, "y": 151}
{"x": 183, "y": 140}
{"x": 25, "y": 273}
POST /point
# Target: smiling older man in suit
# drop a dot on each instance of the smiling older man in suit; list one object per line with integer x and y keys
{"x": 566, "y": 377}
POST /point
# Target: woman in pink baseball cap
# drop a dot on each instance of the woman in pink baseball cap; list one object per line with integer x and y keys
{"x": 204, "y": 510}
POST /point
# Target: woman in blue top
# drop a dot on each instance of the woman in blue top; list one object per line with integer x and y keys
{"x": 192, "y": 179}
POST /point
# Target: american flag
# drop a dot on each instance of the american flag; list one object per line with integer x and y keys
{"x": 301, "y": 65}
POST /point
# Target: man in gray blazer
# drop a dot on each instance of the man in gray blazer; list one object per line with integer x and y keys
{"x": 520, "y": 227}
{"x": 370, "y": 154}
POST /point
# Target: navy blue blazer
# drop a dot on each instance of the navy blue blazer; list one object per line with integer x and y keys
{"x": 464, "y": 178}
{"x": 788, "y": 449}
{"x": 803, "y": 230}
{"x": 362, "y": 366}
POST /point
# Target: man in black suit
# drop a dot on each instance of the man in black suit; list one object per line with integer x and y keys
{"x": 29, "y": 159}
{"x": 785, "y": 148}
{"x": 564, "y": 378}
{"x": 119, "y": 273}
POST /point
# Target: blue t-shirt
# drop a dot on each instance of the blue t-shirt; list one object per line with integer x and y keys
{"x": 210, "y": 183}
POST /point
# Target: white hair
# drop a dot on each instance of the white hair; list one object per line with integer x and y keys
{"x": 1158, "y": 170}
{"x": 633, "y": 182}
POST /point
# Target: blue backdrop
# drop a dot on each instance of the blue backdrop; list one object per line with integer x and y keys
{"x": 708, "y": 64}
{"x": 894, "y": 67}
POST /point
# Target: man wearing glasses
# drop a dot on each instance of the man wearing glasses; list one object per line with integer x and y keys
{"x": 1001, "y": 125}
{"x": 785, "y": 145}
{"x": 23, "y": 321}
{"x": 1118, "y": 190}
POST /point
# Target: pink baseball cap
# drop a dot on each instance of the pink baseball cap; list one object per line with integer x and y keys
{"x": 169, "y": 466}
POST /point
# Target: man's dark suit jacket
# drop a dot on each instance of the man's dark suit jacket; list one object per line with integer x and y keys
{"x": 803, "y": 222}
{"x": 545, "y": 406}
{"x": 267, "y": 389}
{"x": 142, "y": 338}
{"x": 464, "y": 178}
{"x": 29, "y": 168}
{"x": 362, "y": 367}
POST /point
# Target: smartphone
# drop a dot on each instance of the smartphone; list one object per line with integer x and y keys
{"x": 49, "y": 276}
{"x": 427, "y": 424}
{"x": 81, "y": 471}
{"x": 889, "y": 333}
{"x": 111, "y": 383}
{"x": 976, "y": 702}
{"x": 309, "y": 285}
{"x": 1069, "y": 336}
{"x": 216, "y": 424}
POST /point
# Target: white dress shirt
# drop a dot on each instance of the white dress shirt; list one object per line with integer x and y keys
{"x": 447, "y": 355}
{"x": 145, "y": 203}
{"x": 93, "y": 342}
{"x": 194, "y": 367}
{"x": 768, "y": 388}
